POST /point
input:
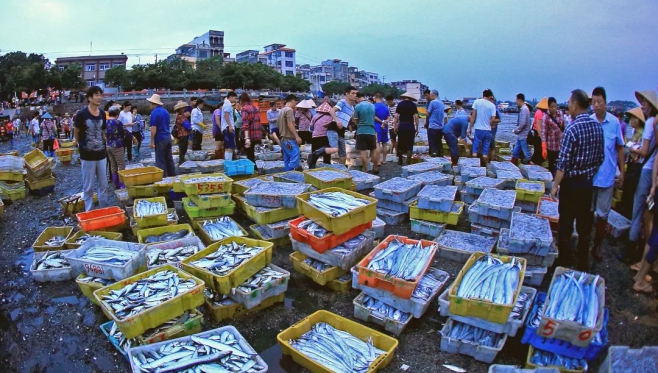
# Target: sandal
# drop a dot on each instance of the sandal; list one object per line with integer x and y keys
{"x": 635, "y": 267}
{"x": 647, "y": 288}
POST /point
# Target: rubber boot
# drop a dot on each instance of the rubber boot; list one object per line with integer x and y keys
{"x": 455, "y": 160}
{"x": 515, "y": 161}
{"x": 601, "y": 226}
{"x": 115, "y": 180}
{"x": 409, "y": 156}
{"x": 313, "y": 157}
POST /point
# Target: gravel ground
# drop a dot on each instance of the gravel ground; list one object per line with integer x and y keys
{"x": 52, "y": 327}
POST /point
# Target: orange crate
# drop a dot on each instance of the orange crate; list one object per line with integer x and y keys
{"x": 554, "y": 221}
{"x": 396, "y": 286}
{"x": 327, "y": 242}
{"x": 100, "y": 219}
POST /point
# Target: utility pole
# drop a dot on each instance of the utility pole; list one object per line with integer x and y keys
{"x": 90, "y": 47}
{"x": 383, "y": 79}
{"x": 156, "y": 58}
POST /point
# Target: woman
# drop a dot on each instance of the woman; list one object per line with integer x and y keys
{"x": 237, "y": 124}
{"x": 633, "y": 161}
{"x": 48, "y": 134}
{"x": 252, "y": 131}
{"x": 406, "y": 126}
{"x": 66, "y": 125}
{"x": 182, "y": 128}
{"x": 138, "y": 127}
{"x": 534, "y": 136}
{"x": 303, "y": 119}
{"x": 320, "y": 141}
{"x": 551, "y": 133}
{"x": 217, "y": 131}
{"x": 115, "y": 135}
{"x": 642, "y": 279}
{"x": 197, "y": 125}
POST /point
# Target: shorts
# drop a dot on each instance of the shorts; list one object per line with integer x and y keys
{"x": 482, "y": 139}
{"x": 394, "y": 136}
{"x": 336, "y": 141}
{"x": 366, "y": 142}
{"x": 229, "y": 139}
{"x": 602, "y": 201}
{"x": 276, "y": 130}
{"x": 219, "y": 137}
{"x": 382, "y": 136}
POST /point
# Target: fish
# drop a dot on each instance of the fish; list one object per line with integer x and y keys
{"x": 549, "y": 208}
{"x": 156, "y": 256}
{"x": 428, "y": 285}
{"x": 454, "y": 368}
{"x": 402, "y": 260}
{"x": 265, "y": 278}
{"x": 492, "y": 280}
{"x": 336, "y": 203}
{"x": 205, "y": 179}
{"x": 317, "y": 265}
{"x": 574, "y": 296}
{"x": 470, "y": 333}
{"x": 168, "y": 236}
{"x": 221, "y": 228}
{"x": 147, "y": 208}
{"x": 50, "y": 260}
{"x": 313, "y": 228}
{"x": 55, "y": 241}
{"x": 85, "y": 237}
{"x": 465, "y": 241}
{"x": 526, "y": 185}
{"x": 218, "y": 300}
{"x": 377, "y": 306}
{"x": 545, "y": 359}
{"x": 98, "y": 280}
{"x": 329, "y": 175}
{"x": 226, "y": 258}
{"x": 108, "y": 255}
{"x": 495, "y": 197}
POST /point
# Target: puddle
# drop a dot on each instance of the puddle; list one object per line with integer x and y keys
{"x": 26, "y": 259}
{"x": 277, "y": 362}
{"x": 288, "y": 303}
{"x": 68, "y": 300}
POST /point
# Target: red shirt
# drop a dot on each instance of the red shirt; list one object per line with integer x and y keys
{"x": 251, "y": 122}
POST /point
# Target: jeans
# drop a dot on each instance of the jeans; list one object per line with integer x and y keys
{"x": 453, "y": 143}
{"x": 575, "y": 203}
{"x": 290, "y": 154}
{"x": 434, "y": 137}
{"x": 163, "y": 158}
{"x": 521, "y": 145}
{"x": 94, "y": 170}
{"x": 639, "y": 203}
{"x": 481, "y": 139}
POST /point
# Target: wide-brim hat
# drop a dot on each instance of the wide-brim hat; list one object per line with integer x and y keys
{"x": 448, "y": 108}
{"x": 637, "y": 112}
{"x": 180, "y": 105}
{"x": 67, "y": 115}
{"x": 304, "y": 105}
{"x": 649, "y": 96}
{"x": 324, "y": 108}
{"x": 155, "y": 99}
{"x": 543, "y": 104}
{"x": 310, "y": 101}
{"x": 408, "y": 95}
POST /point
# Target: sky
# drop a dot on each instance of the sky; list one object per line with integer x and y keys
{"x": 457, "y": 47}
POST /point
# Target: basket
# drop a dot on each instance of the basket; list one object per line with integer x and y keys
{"x": 191, "y": 187}
{"x": 329, "y": 240}
{"x": 258, "y": 232}
{"x": 343, "y": 223}
{"x": 342, "y": 182}
{"x": 70, "y": 242}
{"x": 100, "y": 219}
{"x": 363, "y": 313}
{"x": 48, "y": 233}
{"x": 140, "y": 176}
{"x": 151, "y": 220}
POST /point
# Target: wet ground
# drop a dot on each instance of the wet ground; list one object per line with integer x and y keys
{"x": 52, "y": 327}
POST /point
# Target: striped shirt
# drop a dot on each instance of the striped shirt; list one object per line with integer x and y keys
{"x": 581, "y": 152}
{"x": 344, "y": 112}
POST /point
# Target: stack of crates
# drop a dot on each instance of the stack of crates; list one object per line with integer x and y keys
{"x": 434, "y": 178}
{"x": 385, "y": 295}
{"x": 497, "y": 321}
{"x": 11, "y": 177}
{"x": 39, "y": 178}
{"x": 503, "y": 148}
{"x": 506, "y": 171}
{"x": 492, "y": 211}
{"x": 208, "y": 196}
{"x": 270, "y": 167}
{"x": 436, "y": 204}
{"x": 539, "y": 174}
{"x": 528, "y": 194}
{"x": 463, "y": 170}
{"x": 395, "y": 198}
{"x": 566, "y": 338}
{"x": 64, "y": 155}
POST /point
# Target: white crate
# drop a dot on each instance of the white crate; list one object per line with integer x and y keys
{"x": 103, "y": 270}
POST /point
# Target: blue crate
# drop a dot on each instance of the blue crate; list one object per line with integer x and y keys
{"x": 239, "y": 167}
{"x": 559, "y": 346}
{"x": 391, "y": 190}
{"x": 391, "y": 218}
{"x": 176, "y": 196}
{"x": 105, "y": 328}
{"x": 467, "y": 198}
{"x": 394, "y": 206}
{"x": 43, "y": 191}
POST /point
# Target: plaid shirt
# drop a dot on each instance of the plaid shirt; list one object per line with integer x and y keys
{"x": 251, "y": 122}
{"x": 551, "y": 131}
{"x": 581, "y": 153}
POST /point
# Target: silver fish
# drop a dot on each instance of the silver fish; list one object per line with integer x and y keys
{"x": 574, "y": 296}
{"x": 98, "y": 280}
{"x": 147, "y": 208}
{"x": 156, "y": 256}
{"x": 221, "y": 228}
{"x": 398, "y": 259}
{"x": 317, "y": 265}
{"x": 50, "y": 260}
{"x": 328, "y": 175}
{"x": 85, "y": 237}
{"x": 264, "y": 278}
{"x": 169, "y": 236}
{"x": 545, "y": 359}
{"x": 377, "y": 306}
{"x": 313, "y": 228}
{"x": 492, "y": 280}
{"x": 108, "y": 255}
{"x": 55, "y": 241}
{"x": 336, "y": 203}
{"x": 470, "y": 333}
{"x": 218, "y": 300}
{"x": 227, "y": 258}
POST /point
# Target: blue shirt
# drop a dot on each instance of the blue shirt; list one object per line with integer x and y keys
{"x": 612, "y": 137}
{"x": 435, "y": 114}
{"x": 457, "y": 125}
{"x": 381, "y": 112}
{"x": 114, "y": 133}
{"x": 344, "y": 112}
{"x": 160, "y": 120}
{"x": 227, "y": 108}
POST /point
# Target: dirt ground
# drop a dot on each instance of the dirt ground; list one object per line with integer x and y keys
{"x": 52, "y": 327}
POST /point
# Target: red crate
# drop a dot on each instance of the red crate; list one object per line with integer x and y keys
{"x": 327, "y": 242}
{"x": 553, "y": 221}
{"x": 100, "y": 219}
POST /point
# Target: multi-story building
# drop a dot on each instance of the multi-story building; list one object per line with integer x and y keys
{"x": 320, "y": 75}
{"x": 250, "y": 56}
{"x": 303, "y": 71}
{"x": 201, "y": 47}
{"x": 361, "y": 78}
{"x": 414, "y": 87}
{"x": 339, "y": 69}
{"x": 282, "y": 59}
{"x": 93, "y": 67}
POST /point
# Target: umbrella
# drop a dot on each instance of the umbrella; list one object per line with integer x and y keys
{"x": 46, "y": 115}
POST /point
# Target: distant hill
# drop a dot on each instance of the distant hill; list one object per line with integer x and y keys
{"x": 621, "y": 105}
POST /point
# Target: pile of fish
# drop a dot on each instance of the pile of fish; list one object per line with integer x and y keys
{"x": 124, "y": 343}
{"x": 492, "y": 280}
{"x": 293, "y": 176}
{"x": 108, "y": 255}
{"x": 474, "y": 171}
{"x": 540, "y": 175}
{"x": 278, "y": 188}
{"x": 509, "y": 175}
{"x": 261, "y": 279}
{"x": 397, "y": 184}
{"x": 438, "y": 193}
{"x": 427, "y": 285}
{"x": 535, "y": 187}
{"x": 204, "y": 179}
{"x": 208, "y": 354}
{"x": 483, "y": 182}
{"x": 248, "y": 183}
{"x": 218, "y": 300}
{"x": 168, "y": 236}
{"x": 468, "y": 162}
{"x": 50, "y": 260}
{"x": 85, "y": 236}
{"x": 402, "y": 260}
{"x": 574, "y": 296}
{"x": 226, "y": 258}
{"x": 157, "y": 256}
{"x": 430, "y": 177}
{"x": 317, "y": 265}
{"x": 221, "y": 228}
{"x": 337, "y": 166}
{"x": 497, "y": 197}
{"x": 545, "y": 359}
{"x": 337, "y": 350}
{"x": 503, "y": 166}
{"x": 549, "y": 208}
{"x": 530, "y": 228}
{"x": 422, "y": 166}
{"x": 55, "y": 241}
{"x": 465, "y": 241}
{"x": 470, "y": 333}
{"x": 313, "y": 228}
{"x": 350, "y": 245}
{"x": 535, "y": 320}
{"x": 148, "y": 208}
{"x": 98, "y": 280}
{"x": 327, "y": 175}
{"x": 384, "y": 309}
{"x": 146, "y": 293}
{"x": 336, "y": 203}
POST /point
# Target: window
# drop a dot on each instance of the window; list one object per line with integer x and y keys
{"x": 277, "y": 54}
{"x": 321, "y": 78}
{"x": 203, "y": 54}
{"x": 290, "y": 72}
{"x": 90, "y": 67}
{"x": 289, "y": 55}
{"x": 115, "y": 64}
{"x": 104, "y": 66}
{"x": 289, "y": 64}
{"x": 61, "y": 68}
{"x": 91, "y": 82}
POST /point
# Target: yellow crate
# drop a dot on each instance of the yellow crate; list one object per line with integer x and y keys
{"x": 41, "y": 183}
{"x": 153, "y": 317}
{"x": 88, "y": 288}
{"x": 2, "y": 207}
{"x": 63, "y": 152}
{"x": 340, "y": 286}
{"x": 198, "y": 212}
{"x": 436, "y": 216}
{"x": 379, "y": 340}
{"x": 47, "y": 234}
{"x": 36, "y": 161}
{"x": 529, "y": 195}
{"x": 136, "y": 191}
{"x": 267, "y": 216}
{"x": 195, "y": 188}
{"x": 345, "y": 182}
{"x": 277, "y": 242}
{"x": 14, "y": 194}
{"x": 151, "y": 220}
{"x": 210, "y": 201}
{"x": 489, "y": 311}
{"x": 11, "y": 176}
{"x": 66, "y": 158}
{"x": 143, "y": 233}
{"x": 70, "y": 242}
{"x": 191, "y": 326}
{"x": 196, "y": 224}
{"x": 618, "y": 194}
{"x": 66, "y": 143}
{"x": 343, "y": 223}
{"x": 224, "y": 284}
{"x": 529, "y": 365}
{"x": 140, "y": 176}
{"x": 177, "y": 185}
{"x": 321, "y": 278}
{"x": 234, "y": 310}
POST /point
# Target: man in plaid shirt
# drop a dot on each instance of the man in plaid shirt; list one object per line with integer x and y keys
{"x": 580, "y": 156}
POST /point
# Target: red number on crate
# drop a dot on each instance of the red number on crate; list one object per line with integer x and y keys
{"x": 94, "y": 268}
{"x": 585, "y": 335}
{"x": 549, "y": 328}
{"x": 199, "y": 187}
{"x": 271, "y": 199}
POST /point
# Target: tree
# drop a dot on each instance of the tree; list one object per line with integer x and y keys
{"x": 54, "y": 78}
{"x": 294, "y": 83}
{"x": 207, "y": 74}
{"x": 118, "y": 76}
{"x": 334, "y": 88}
{"x": 72, "y": 77}
{"x": 384, "y": 89}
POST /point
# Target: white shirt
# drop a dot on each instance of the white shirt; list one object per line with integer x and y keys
{"x": 485, "y": 110}
{"x": 648, "y": 134}
{"x": 126, "y": 117}
{"x": 196, "y": 117}
{"x": 34, "y": 124}
{"x": 227, "y": 108}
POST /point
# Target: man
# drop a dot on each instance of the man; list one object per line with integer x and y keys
{"x": 17, "y": 125}
{"x": 35, "y": 129}
{"x": 523, "y": 127}
{"x": 126, "y": 118}
{"x": 435, "y": 116}
{"x": 392, "y": 108}
{"x": 341, "y": 114}
{"x": 484, "y": 112}
{"x": 382, "y": 116}
{"x": 494, "y": 130}
{"x": 228, "y": 125}
{"x": 290, "y": 140}
{"x": 613, "y": 157}
{"x": 454, "y": 129}
{"x": 89, "y": 132}
{"x": 581, "y": 154}
{"x": 272, "y": 116}
{"x": 366, "y": 138}
{"x": 427, "y": 95}
{"x": 458, "y": 108}
{"x": 161, "y": 136}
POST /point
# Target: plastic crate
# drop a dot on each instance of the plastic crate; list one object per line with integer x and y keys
{"x": 524, "y": 191}
{"x": 391, "y": 217}
{"x": 510, "y": 327}
{"x": 342, "y": 223}
{"x": 433, "y": 178}
{"x": 363, "y": 313}
{"x": 136, "y": 191}
{"x": 11, "y": 175}
{"x": 254, "y": 297}
{"x": 248, "y": 268}
{"x": 88, "y": 288}
{"x": 502, "y": 210}
{"x": 497, "y": 368}
{"x": 153, "y": 317}
{"x": 209, "y": 201}
{"x": 197, "y": 224}
{"x": 52, "y": 275}
{"x": 107, "y": 270}
{"x": 394, "y": 206}
{"x": 318, "y": 277}
{"x": 510, "y": 178}
{"x": 438, "y": 198}
{"x": 100, "y": 219}
{"x": 264, "y": 215}
{"x": 379, "y": 340}
{"x": 420, "y": 168}
{"x": 623, "y": 359}
{"x": 191, "y": 326}
{"x": 258, "y": 232}
{"x": 154, "y": 220}
{"x": 497, "y": 166}
{"x": 13, "y": 194}
{"x": 398, "y": 189}
{"x": 527, "y": 207}
{"x": 194, "y": 184}
{"x": 544, "y": 176}
{"x": 48, "y": 233}
{"x": 70, "y": 242}
{"x": 290, "y": 177}
{"x": 198, "y": 212}
{"x": 464, "y": 162}
{"x": 362, "y": 244}
{"x": 364, "y": 180}
{"x": 617, "y": 224}
{"x": 261, "y": 195}
{"x": 106, "y": 328}
{"x": 216, "y": 165}
{"x": 553, "y": 219}
{"x": 484, "y": 231}
{"x": 467, "y": 197}
{"x": 489, "y": 311}
{"x": 451, "y": 218}
{"x": 241, "y": 186}
{"x": 378, "y": 227}
{"x": 397, "y": 286}
{"x": 479, "y": 184}
{"x": 542, "y": 238}
{"x": 470, "y": 173}
{"x": 140, "y": 176}
{"x": 344, "y": 182}
{"x": 488, "y": 221}
{"x": 278, "y": 229}
{"x": 239, "y": 167}
{"x": 472, "y": 243}
{"x": 36, "y": 162}
{"x": 531, "y": 259}
{"x": 478, "y": 352}
{"x": 11, "y": 164}
{"x": 142, "y": 234}
{"x": 530, "y": 365}
{"x": 235, "y": 309}
{"x": 343, "y": 284}
{"x": 427, "y": 227}
{"x": 177, "y": 184}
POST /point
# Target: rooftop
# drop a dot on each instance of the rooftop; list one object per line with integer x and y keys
{"x": 85, "y": 58}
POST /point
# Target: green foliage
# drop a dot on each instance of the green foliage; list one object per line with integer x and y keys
{"x": 384, "y": 89}
{"x": 294, "y": 84}
{"x": 334, "y": 87}
{"x": 72, "y": 77}
{"x": 118, "y": 76}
